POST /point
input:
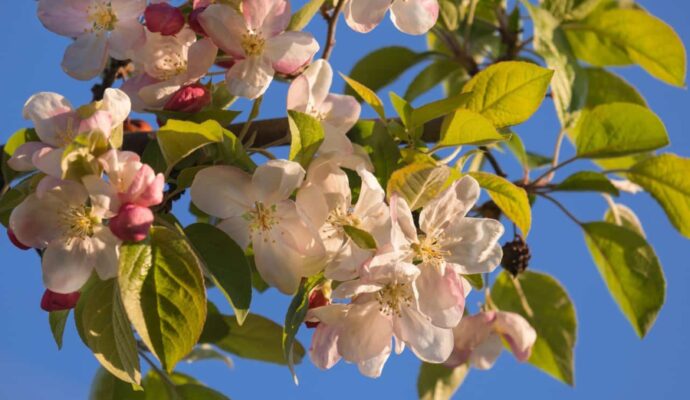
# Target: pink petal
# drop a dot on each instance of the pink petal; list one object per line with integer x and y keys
{"x": 125, "y": 39}
{"x": 250, "y": 77}
{"x": 518, "y": 333}
{"x": 275, "y": 180}
{"x": 225, "y": 27}
{"x": 65, "y": 17}
{"x": 86, "y": 57}
{"x": 415, "y": 17}
{"x": 270, "y": 17}
{"x": 21, "y": 158}
{"x": 50, "y": 114}
{"x": 133, "y": 85}
{"x": 290, "y": 51}
{"x": 128, "y": 9}
{"x": 364, "y": 15}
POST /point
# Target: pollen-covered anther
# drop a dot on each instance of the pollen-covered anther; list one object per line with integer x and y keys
{"x": 101, "y": 16}
{"x": 78, "y": 222}
{"x": 261, "y": 218}
{"x": 253, "y": 43}
{"x": 393, "y": 297}
{"x": 428, "y": 250}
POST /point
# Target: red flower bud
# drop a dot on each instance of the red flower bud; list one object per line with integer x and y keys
{"x": 194, "y": 21}
{"x": 190, "y": 99}
{"x": 15, "y": 241}
{"x": 132, "y": 223}
{"x": 164, "y": 19}
{"x": 52, "y": 301}
{"x": 316, "y": 299}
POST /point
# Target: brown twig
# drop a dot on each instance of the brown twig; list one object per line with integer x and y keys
{"x": 111, "y": 72}
{"x": 493, "y": 161}
{"x": 332, "y": 21}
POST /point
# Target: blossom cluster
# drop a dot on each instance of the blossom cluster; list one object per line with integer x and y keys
{"x": 408, "y": 289}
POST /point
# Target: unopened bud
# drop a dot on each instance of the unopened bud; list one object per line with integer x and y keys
{"x": 164, "y": 19}
{"x": 194, "y": 21}
{"x": 132, "y": 223}
{"x": 190, "y": 99}
{"x": 317, "y": 299}
{"x": 15, "y": 241}
{"x": 52, "y": 301}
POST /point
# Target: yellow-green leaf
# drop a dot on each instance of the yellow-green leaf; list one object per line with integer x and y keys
{"x": 301, "y": 18}
{"x": 368, "y": 95}
{"x": 418, "y": 183}
{"x": 624, "y": 216}
{"x": 307, "y": 135}
{"x": 178, "y": 139}
{"x": 512, "y": 200}
{"x": 467, "y": 127}
{"x": 437, "y": 382}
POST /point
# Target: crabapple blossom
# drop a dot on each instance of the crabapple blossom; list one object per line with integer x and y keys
{"x": 190, "y": 99}
{"x": 415, "y": 17}
{"x": 449, "y": 245}
{"x": 57, "y": 124}
{"x": 257, "y": 39}
{"x": 164, "y": 64}
{"x": 52, "y": 301}
{"x": 478, "y": 338}
{"x": 326, "y": 194}
{"x": 256, "y": 209}
{"x": 102, "y": 28}
{"x": 338, "y": 113}
{"x": 61, "y": 219}
{"x": 163, "y": 18}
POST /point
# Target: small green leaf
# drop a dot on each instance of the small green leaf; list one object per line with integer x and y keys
{"x": 163, "y": 292}
{"x": 362, "y": 239}
{"x": 570, "y": 9}
{"x": 622, "y": 215}
{"x": 467, "y": 127}
{"x": 618, "y": 129}
{"x": 508, "y": 93}
{"x": 369, "y": 96}
{"x": 476, "y": 280}
{"x": 606, "y": 87}
{"x": 307, "y": 135}
{"x": 418, "y": 183}
{"x": 58, "y": 320}
{"x": 381, "y": 147}
{"x": 430, "y": 77}
{"x": 234, "y": 153}
{"x": 105, "y": 386}
{"x": 294, "y": 318}
{"x": 587, "y": 181}
{"x": 381, "y": 67}
{"x": 223, "y": 117}
{"x": 178, "y": 139}
{"x": 631, "y": 271}
{"x": 402, "y": 107}
{"x": 301, "y": 18}
{"x": 103, "y": 327}
{"x": 226, "y": 264}
{"x": 436, "y": 109}
{"x": 512, "y": 200}
{"x": 550, "y": 312}
{"x": 437, "y": 382}
{"x": 665, "y": 177}
{"x": 622, "y": 37}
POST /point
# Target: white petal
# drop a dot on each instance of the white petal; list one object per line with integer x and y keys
{"x": 37, "y": 222}
{"x": 67, "y": 266}
{"x": 106, "y": 253}
{"x": 86, "y": 57}
{"x": 430, "y": 343}
{"x": 323, "y": 351}
{"x": 102, "y": 193}
{"x": 225, "y": 27}
{"x": 222, "y": 191}
{"x": 290, "y": 51}
{"x": 373, "y": 367}
{"x": 342, "y": 113}
{"x": 364, "y": 15}
{"x": 275, "y": 180}
{"x": 238, "y": 229}
{"x": 472, "y": 244}
{"x": 50, "y": 113}
{"x": 49, "y": 161}
{"x": 415, "y": 17}
{"x": 365, "y": 333}
{"x": 250, "y": 77}
{"x": 472, "y": 331}
{"x": 452, "y": 204}
{"x": 518, "y": 333}
{"x": 118, "y": 104}
{"x": 22, "y": 156}
{"x": 202, "y": 55}
{"x": 319, "y": 74}
{"x": 65, "y": 17}
{"x": 125, "y": 39}
{"x": 278, "y": 263}
{"x": 128, "y": 9}
{"x": 441, "y": 297}
{"x": 268, "y": 16}
{"x": 486, "y": 353}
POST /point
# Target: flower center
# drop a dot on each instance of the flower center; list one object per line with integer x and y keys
{"x": 428, "y": 251}
{"x": 253, "y": 43}
{"x": 169, "y": 66}
{"x": 337, "y": 219}
{"x": 261, "y": 218}
{"x": 316, "y": 113}
{"x": 79, "y": 222}
{"x": 65, "y": 137}
{"x": 393, "y": 297}
{"x": 101, "y": 16}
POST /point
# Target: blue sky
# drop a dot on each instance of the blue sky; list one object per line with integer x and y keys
{"x": 611, "y": 362}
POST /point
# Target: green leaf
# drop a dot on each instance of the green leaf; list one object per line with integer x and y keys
{"x": 570, "y": 9}
{"x": 369, "y": 96}
{"x": 622, "y": 215}
{"x": 665, "y": 177}
{"x": 153, "y": 156}
{"x": 622, "y": 37}
{"x": 304, "y": 15}
{"x": 418, "y": 183}
{"x": 179, "y": 387}
{"x": 234, "y": 153}
{"x": 587, "y": 181}
{"x": 107, "y": 387}
{"x": 631, "y": 271}
{"x": 550, "y": 312}
{"x": 476, "y": 280}
{"x": 226, "y": 263}
{"x": 381, "y": 67}
{"x": 467, "y": 127}
{"x": 436, "y": 109}
{"x": 508, "y": 93}
{"x": 223, "y": 117}
{"x": 163, "y": 292}
{"x": 606, "y": 87}
{"x": 430, "y": 77}
{"x": 362, "y": 239}
{"x": 437, "y": 382}
{"x": 307, "y": 135}
{"x": 57, "y": 321}
{"x": 205, "y": 352}
{"x": 618, "y": 129}
{"x": 17, "y": 139}
{"x": 402, "y": 107}
{"x": 380, "y": 145}
{"x": 178, "y": 139}
{"x": 294, "y": 318}
{"x": 512, "y": 200}
{"x": 449, "y": 14}
{"x": 103, "y": 327}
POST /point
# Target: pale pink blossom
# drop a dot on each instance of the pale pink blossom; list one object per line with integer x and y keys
{"x": 101, "y": 28}
{"x": 256, "y": 37}
{"x": 327, "y": 198}
{"x": 256, "y": 209}
{"x": 165, "y": 64}
{"x": 478, "y": 338}
{"x": 62, "y": 219}
{"x": 415, "y": 17}
{"x": 57, "y": 124}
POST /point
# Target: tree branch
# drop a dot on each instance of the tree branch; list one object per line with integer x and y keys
{"x": 332, "y": 20}
{"x": 111, "y": 72}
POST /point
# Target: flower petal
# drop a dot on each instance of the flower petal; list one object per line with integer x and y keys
{"x": 250, "y": 77}
{"x": 486, "y": 353}
{"x": 278, "y": 263}
{"x": 470, "y": 333}
{"x": 50, "y": 113}
{"x": 126, "y": 38}
{"x": 373, "y": 367}
{"x": 102, "y": 193}
{"x": 441, "y": 296}
{"x": 225, "y": 27}
{"x": 202, "y": 55}
{"x": 365, "y": 333}
{"x": 67, "y": 265}
{"x": 237, "y": 227}
{"x": 275, "y": 180}
{"x": 133, "y": 85}
{"x": 430, "y": 343}
{"x": 472, "y": 244}
{"x": 268, "y": 16}
{"x": 36, "y": 222}
{"x": 518, "y": 333}
{"x": 342, "y": 113}
{"x": 414, "y": 17}
{"x": 49, "y": 161}
{"x": 290, "y": 51}
{"x": 452, "y": 204}
{"x": 118, "y": 104}
{"x": 65, "y": 17}
{"x": 222, "y": 191}
{"x": 106, "y": 253}
{"x": 323, "y": 351}
{"x": 86, "y": 57}
{"x": 22, "y": 156}
{"x": 128, "y": 9}
{"x": 364, "y": 15}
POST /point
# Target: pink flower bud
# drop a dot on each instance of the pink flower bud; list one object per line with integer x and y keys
{"x": 194, "y": 21}
{"x": 52, "y": 301}
{"x": 132, "y": 223}
{"x": 15, "y": 241}
{"x": 317, "y": 299}
{"x": 190, "y": 99}
{"x": 164, "y": 19}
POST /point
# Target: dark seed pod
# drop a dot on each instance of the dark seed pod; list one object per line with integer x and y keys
{"x": 516, "y": 256}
